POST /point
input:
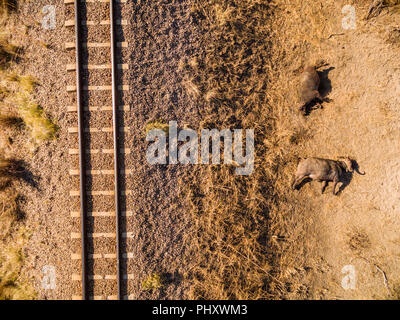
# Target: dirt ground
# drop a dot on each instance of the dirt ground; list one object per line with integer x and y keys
{"x": 45, "y": 201}
{"x": 316, "y": 235}
{"x": 359, "y": 227}
{"x": 161, "y": 34}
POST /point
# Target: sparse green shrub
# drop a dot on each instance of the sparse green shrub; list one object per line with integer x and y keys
{"x": 157, "y": 125}
{"x": 6, "y": 6}
{"x": 12, "y": 285}
{"x": 34, "y": 117}
{"x": 153, "y": 282}
{"x": 15, "y": 93}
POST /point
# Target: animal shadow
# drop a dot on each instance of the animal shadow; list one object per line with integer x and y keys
{"x": 24, "y": 174}
{"x": 18, "y": 170}
{"x": 345, "y": 180}
{"x": 346, "y": 177}
{"x": 325, "y": 88}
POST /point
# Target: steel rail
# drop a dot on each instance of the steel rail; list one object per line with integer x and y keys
{"x": 116, "y": 150}
{"x": 82, "y": 170}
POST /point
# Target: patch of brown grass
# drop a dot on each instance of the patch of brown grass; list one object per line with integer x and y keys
{"x": 359, "y": 241}
{"x": 13, "y": 286}
{"x": 6, "y": 6}
{"x": 10, "y": 120}
{"x": 158, "y": 124}
{"x": 231, "y": 227}
{"x": 245, "y": 227}
{"x": 13, "y": 234}
{"x": 153, "y": 282}
{"x": 8, "y": 51}
{"x": 377, "y": 6}
{"x": 253, "y": 239}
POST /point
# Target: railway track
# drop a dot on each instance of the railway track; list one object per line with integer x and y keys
{"x": 100, "y": 194}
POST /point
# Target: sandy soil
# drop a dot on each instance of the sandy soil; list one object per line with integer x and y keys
{"x": 359, "y": 227}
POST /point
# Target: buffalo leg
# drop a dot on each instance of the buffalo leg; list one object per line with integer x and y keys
{"x": 297, "y": 181}
{"x": 324, "y": 184}
{"x": 336, "y": 181}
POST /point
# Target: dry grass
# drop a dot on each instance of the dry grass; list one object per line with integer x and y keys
{"x": 17, "y": 98}
{"x": 13, "y": 235}
{"x": 7, "y": 6}
{"x": 377, "y": 6}
{"x": 26, "y": 83}
{"x": 234, "y": 259}
{"x": 8, "y": 51}
{"x": 153, "y": 282}
{"x": 12, "y": 285}
{"x": 249, "y": 240}
{"x": 16, "y": 89}
{"x": 245, "y": 227}
{"x": 158, "y": 124}
{"x": 38, "y": 123}
{"x": 10, "y": 120}
{"x": 22, "y": 106}
{"x": 9, "y": 213}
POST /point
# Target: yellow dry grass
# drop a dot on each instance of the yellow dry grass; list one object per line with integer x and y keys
{"x": 15, "y": 103}
{"x": 152, "y": 282}
{"x": 12, "y": 285}
{"x": 16, "y": 89}
{"x": 230, "y": 212}
{"x": 7, "y": 6}
{"x": 158, "y": 124}
{"x": 13, "y": 237}
{"x": 40, "y": 126}
{"x": 248, "y": 239}
{"x": 17, "y": 98}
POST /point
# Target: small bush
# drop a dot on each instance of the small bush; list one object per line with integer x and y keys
{"x": 152, "y": 282}
{"x": 27, "y": 83}
{"x": 12, "y": 284}
{"x": 6, "y": 6}
{"x": 34, "y": 117}
{"x": 157, "y": 125}
{"x": 8, "y": 51}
